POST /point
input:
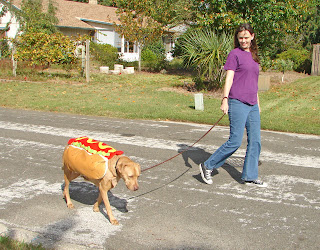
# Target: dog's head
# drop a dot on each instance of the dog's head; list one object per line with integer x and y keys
{"x": 129, "y": 171}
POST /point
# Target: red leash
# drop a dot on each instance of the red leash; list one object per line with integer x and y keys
{"x": 187, "y": 147}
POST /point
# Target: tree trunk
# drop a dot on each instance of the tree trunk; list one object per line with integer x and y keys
{"x": 87, "y": 61}
{"x": 139, "y": 57}
{"x": 14, "y": 62}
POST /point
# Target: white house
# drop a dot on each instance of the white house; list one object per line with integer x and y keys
{"x": 4, "y": 20}
{"x": 76, "y": 18}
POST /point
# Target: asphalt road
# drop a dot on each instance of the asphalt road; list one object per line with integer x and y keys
{"x": 173, "y": 209}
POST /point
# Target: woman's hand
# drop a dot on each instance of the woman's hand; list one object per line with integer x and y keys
{"x": 227, "y": 86}
{"x": 224, "y": 105}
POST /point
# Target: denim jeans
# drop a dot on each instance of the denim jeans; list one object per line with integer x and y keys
{"x": 241, "y": 116}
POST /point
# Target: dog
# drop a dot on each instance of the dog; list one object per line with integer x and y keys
{"x": 100, "y": 164}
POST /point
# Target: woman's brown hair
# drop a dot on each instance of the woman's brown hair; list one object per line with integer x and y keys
{"x": 254, "y": 46}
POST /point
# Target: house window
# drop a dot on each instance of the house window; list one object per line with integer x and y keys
{"x": 117, "y": 41}
{"x": 169, "y": 43}
{"x": 130, "y": 47}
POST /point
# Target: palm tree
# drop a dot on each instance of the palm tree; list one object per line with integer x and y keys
{"x": 206, "y": 51}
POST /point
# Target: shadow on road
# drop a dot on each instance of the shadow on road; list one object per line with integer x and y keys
{"x": 87, "y": 193}
{"x": 198, "y": 155}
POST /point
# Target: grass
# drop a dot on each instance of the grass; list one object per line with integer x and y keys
{"x": 293, "y": 107}
{"x": 290, "y": 107}
{"x": 7, "y": 243}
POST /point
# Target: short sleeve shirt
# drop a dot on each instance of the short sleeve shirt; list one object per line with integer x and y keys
{"x": 245, "y": 81}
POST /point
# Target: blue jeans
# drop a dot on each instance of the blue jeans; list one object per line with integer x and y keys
{"x": 241, "y": 116}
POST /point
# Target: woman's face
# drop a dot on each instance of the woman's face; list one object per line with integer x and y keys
{"x": 245, "y": 38}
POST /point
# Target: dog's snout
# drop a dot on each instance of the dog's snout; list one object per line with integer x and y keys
{"x": 134, "y": 187}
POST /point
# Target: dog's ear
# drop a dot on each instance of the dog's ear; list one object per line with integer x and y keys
{"x": 111, "y": 167}
{"x": 137, "y": 168}
{"x": 120, "y": 164}
{"x": 114, "y": 180}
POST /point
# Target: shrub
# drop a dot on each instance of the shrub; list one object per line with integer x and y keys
{"x": 4, "y": 49}
{"x": 265, "y": 63}
{"x": 300, "y": 57}
{"x": 206, "y": 51}
{"x": 134, "y": 64}
{"x": 176, "y": 64}
{"x": 41, "y": 49}
{"x": 283, "y": 65}
{"x": 106, "y": 54}
{"x": 153, "y": 56}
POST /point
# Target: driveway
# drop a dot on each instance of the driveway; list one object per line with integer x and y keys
{"x": 173, "y": 209}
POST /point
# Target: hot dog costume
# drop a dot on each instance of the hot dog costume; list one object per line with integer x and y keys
{"x": 90, "y": 156}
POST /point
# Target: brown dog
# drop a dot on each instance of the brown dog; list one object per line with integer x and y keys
{"x": 77, "y": 161}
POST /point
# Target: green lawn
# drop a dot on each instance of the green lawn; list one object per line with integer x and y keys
{"x": 9, "y": 244}
{"x": 292, "y": 107}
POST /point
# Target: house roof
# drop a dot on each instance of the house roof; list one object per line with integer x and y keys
{"x": 76, "y": 14}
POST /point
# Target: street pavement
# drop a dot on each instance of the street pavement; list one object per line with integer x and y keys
{"x": 174, "y": 208}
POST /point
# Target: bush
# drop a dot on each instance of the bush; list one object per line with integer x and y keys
{"x": 265, "y": 63}
{"x": 176, "y": 64}
{"x": 4, "y": 49}
{"x": 283, "y": 66}
{"x": 106, "y": 54}
{"x": 300, "y": 57}
{"x": 205, "y": 51}
{"x": 150, "y": 60}
{"x": 125, "y": 64}
{"x": 153, "y": 57}
{"x": 41, "y": 49}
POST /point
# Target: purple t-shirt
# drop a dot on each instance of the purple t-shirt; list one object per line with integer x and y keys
{"x": 245, "y": 81}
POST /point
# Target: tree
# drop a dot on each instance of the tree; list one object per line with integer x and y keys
{"x": 283, "y": 66}
{"x": 271, "y": 19}
{"x": 42, "y": 49}
{"x": 311, "y": 27}
{"x": 141, "y": 22}
{"x": 33, "y": 19}
{"x": 39, "y": 42}
{"x": 206, "y": 51}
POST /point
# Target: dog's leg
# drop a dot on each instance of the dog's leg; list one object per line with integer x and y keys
{"x": 68, "y": 177}
{"x": 104, "y": 194}
{"x": 97, "y": 204}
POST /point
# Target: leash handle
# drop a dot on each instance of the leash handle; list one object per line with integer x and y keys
{"x": 187, "y": 147}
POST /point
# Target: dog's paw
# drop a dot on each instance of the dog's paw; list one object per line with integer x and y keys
{"x": 114, "y": 222}
{"x": 70, "y": 206}
{"x": 96, "y": 208}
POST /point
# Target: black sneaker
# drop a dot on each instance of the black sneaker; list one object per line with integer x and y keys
{"x": 205, "y": 174}
{"x": 257, "y": 183}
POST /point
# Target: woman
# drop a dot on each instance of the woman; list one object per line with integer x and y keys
{"x": 241, "y": 102}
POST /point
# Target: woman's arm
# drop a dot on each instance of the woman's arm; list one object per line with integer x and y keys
{"x": 227, "y": 86}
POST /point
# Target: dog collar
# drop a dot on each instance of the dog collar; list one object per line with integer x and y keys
{"x": 115, "y": 166}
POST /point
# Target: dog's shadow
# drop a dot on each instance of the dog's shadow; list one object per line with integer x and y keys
{"x": 87, "y": 193}
{"x": 198, "y": 155}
